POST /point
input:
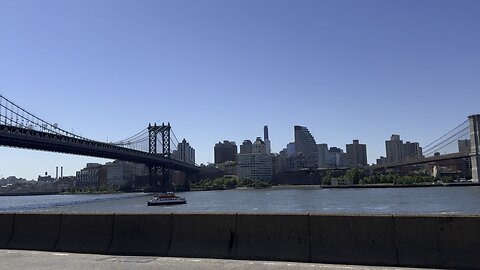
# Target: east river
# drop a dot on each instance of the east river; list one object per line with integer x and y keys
{"x": 431, "y": 200}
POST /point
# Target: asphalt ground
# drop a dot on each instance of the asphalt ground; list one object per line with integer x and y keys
{"x": 24, "y": 259}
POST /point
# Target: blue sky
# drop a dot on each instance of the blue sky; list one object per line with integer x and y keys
{"x": 220, "y": 70}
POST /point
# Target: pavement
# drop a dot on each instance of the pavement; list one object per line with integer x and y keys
{"x": 24, "y": 259}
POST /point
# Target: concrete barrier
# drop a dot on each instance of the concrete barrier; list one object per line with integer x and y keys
{"x": 441, "y": 242}
{"x": 6, "y": 228}
{"x": 353, "y": 239}
{"x": 418, "y": 241}
{"x": 273, "y": 237}
{"x": 85, "y": 233}
{"x": 35, "y": 231}
{"x": 203, "y": 235}
{"x": 141, "y": 234}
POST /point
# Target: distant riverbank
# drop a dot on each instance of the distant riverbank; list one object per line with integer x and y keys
{"x": 455, "y": 184}
{"x": 463, "y": 184}
{"x": 28, "y": 193}
{"x": 37, "y": 193}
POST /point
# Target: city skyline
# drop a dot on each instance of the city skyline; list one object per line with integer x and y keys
{"x": 345, "y": 70}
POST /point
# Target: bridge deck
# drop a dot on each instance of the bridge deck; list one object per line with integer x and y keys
{"x": 422, "y": 160}
{"x": 38, "y": 140}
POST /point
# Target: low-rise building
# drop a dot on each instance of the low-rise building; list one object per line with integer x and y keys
{"x": 92, "y": 176}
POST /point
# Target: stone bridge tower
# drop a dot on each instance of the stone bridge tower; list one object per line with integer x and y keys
{"x": 474, "y": 121}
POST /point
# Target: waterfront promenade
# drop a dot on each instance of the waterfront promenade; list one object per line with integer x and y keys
{"x": 22, "y": 259}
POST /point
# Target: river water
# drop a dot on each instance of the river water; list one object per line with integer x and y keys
{"x": 431, "y": 200}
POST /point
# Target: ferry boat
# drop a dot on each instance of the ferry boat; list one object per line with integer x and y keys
{"x": 166, "y": 199}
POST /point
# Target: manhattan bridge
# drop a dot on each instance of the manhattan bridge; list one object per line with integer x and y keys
{"x": 152, "y": 146}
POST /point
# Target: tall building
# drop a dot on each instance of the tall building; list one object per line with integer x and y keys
{"x": 185, "y": 152}
{"x": 336, "y": 157}
{"x": 306, "y": 146}
{"x": 226, "y": 151}
{"x": 357, "y": 154}
{"x": 291, "y": 152}
{"x": 267, "y": 140}
{"x": 464, "y": 146}
{"x": 279, "y": 163}
{"x": 394, "y": 148}
{"x": 412, "y": 150}
{"x": 256, "y": 165}
{"x": 322, "y": 150}
{"x": 398, "y": 151}
{"x": 246, "y": 147}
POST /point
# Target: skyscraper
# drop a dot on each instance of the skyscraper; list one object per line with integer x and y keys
{"x": 412, "y": 150}
{"x": 322, "y": 150}
{"x": 185, "y": 152}
{"x": 226, "y": 151}
{"x": 291, "y": 150}
{"x": 394, "y": 148}
{"x": 306, "y": 146}
{"x": 397, "y": 150}
{"x": 357, "y": 154}
{"x": 266, "y": 140}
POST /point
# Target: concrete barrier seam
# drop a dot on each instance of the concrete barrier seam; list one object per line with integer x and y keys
{"x": 395, "y": 241}
{"x": 12, "y": 231}
{"x": 309, "y": 239}
{"x": 111, "y": 238}
{"x": 171, "y": 235}
{"x": 59, "y": 232}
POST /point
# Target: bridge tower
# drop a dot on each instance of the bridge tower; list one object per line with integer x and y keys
{"x": 153, "y": 131}
{"x": 474, "y": 121}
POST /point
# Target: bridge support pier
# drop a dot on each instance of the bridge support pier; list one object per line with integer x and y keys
{"x": 160, "y": 182}
{"x": 164, "y": 131}
{"x": 474, "y": 121}
{"x": 153, "y": 177}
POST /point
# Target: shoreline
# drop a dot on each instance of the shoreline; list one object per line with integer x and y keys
{"x": 28, "y": 193}
{"x": 426, "y": 185}
{"x": 404, "y": 186}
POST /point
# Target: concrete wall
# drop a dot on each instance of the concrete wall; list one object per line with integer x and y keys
{"x": 141, "y": 234}
{"x": 6, "y": 228}
{"x": 398, "y": 240}
{"x": 206, "y": 235}
{"x": 361, "y": 239}
{"x": 273, "y": 237}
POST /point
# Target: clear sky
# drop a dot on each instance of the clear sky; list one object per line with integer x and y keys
{"x": 220, "y": 70}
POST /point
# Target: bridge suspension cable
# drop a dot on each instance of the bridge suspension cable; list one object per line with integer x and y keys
{"x": 13, "y": 115}
{"x": 448, "y": 138}
{"x": 448, "y": 141}
{"x": 446, "y": 134}
{"x": 175, "y": 142}
{"x": 143, "y": 134}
